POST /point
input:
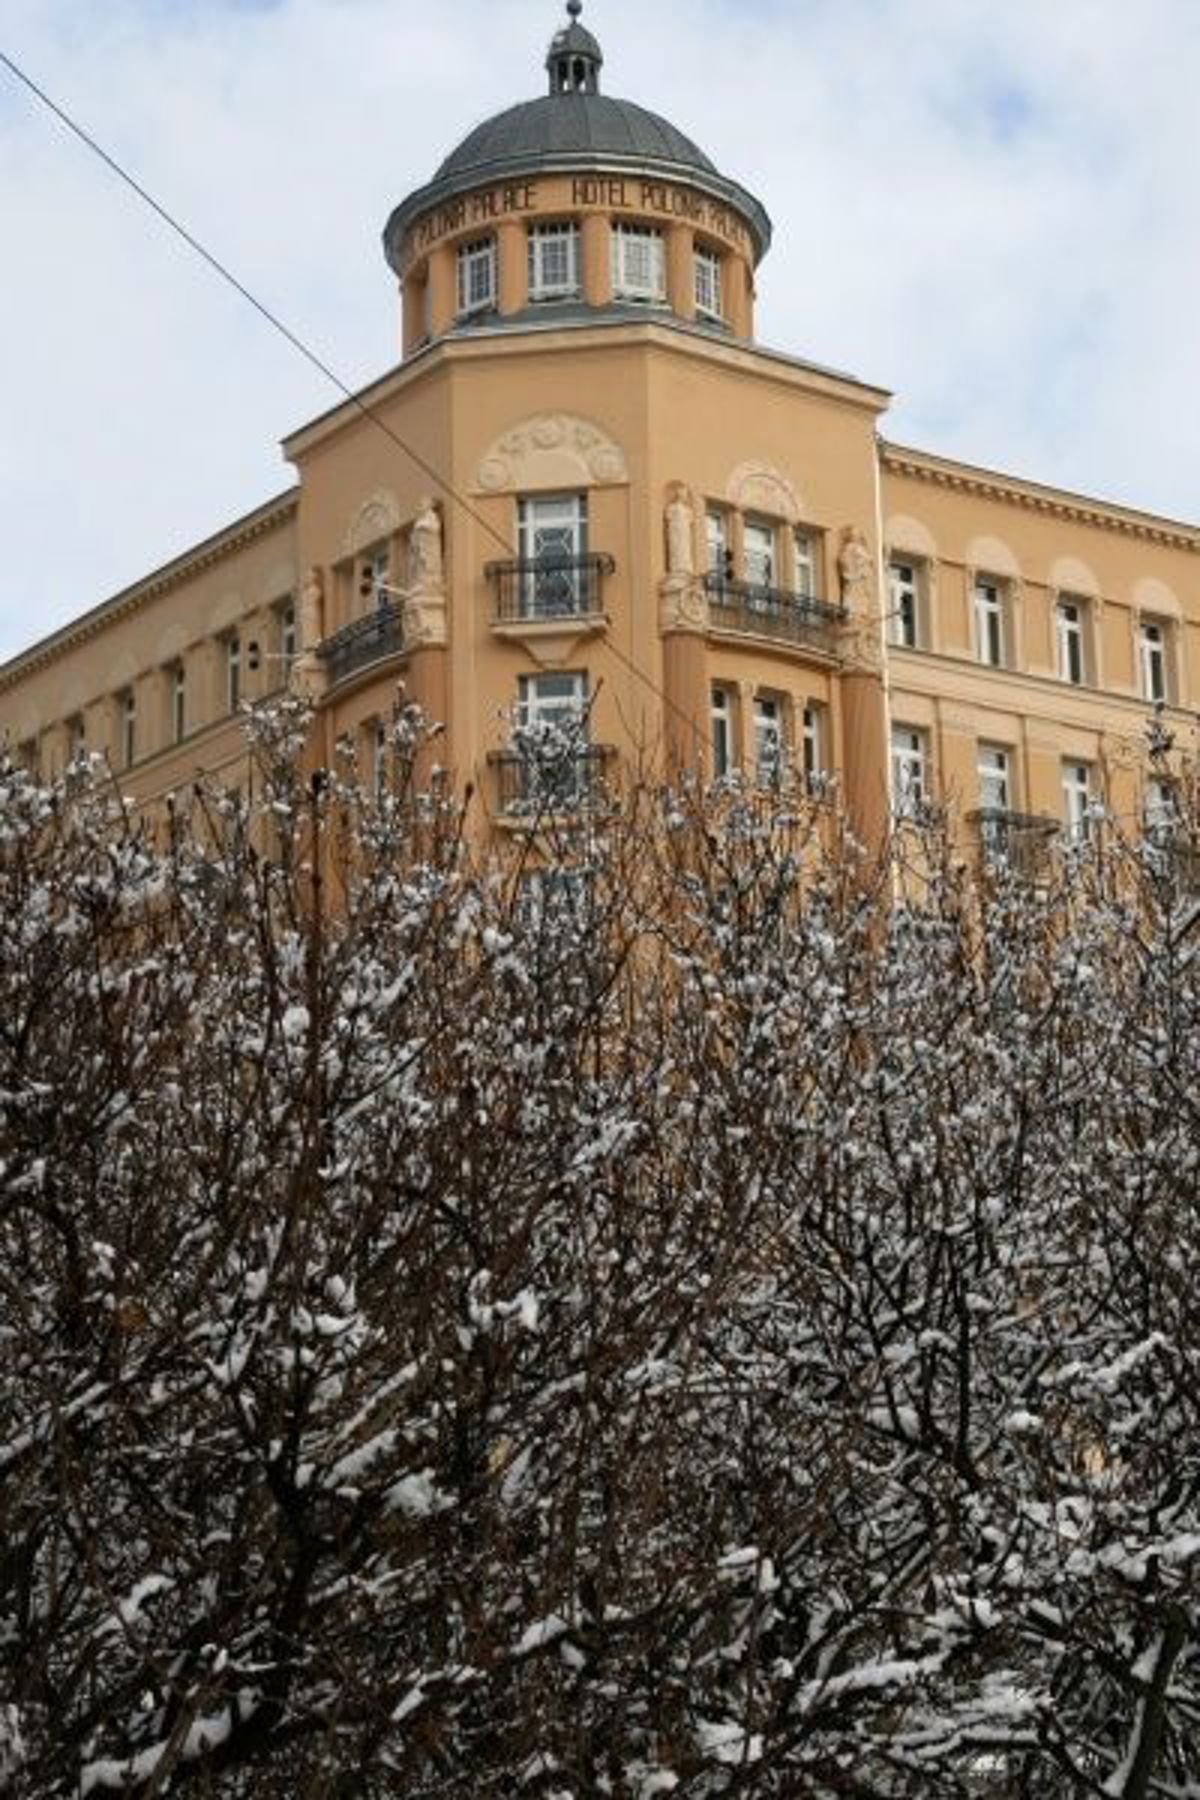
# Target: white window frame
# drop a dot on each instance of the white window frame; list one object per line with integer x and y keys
{"x": 553, "y": 697}
{"x": 545, "y": 700}
{"x": 1160, "y": 809}
{"x": 475, "y": 274}
{"x": 178, "y": 703}
{"x": 233, "y": 672}
{"x": 1077, "y": 797}
{"x": 816, "y": 741}
{"x": 910, "y": 770}
{"x": 993, "y": 768}
{"x": 1070, "y": 615}
{"x": 760, "y": 553}
{"x": 904, "y": 603}
{"x": 376, "y": 564}
{"x": 545, "y": 243}
{"x": 990, "y": 612}
{"x": 289, "y": 640}
{"x": 706, "y": 280}
{"x": 804, "y": 563}
{"x": 770, "y": 742}
{"x": 558, "y": 592}
{"x": 716, "y": 542}
{"x": 721, "y": 715}
{"x": 639, "y": 264}
{"x": 128, "y": 707}
{"x": 1154, "y": 659}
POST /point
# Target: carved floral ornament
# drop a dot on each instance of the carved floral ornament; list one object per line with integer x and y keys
{"x": 1121, "y": 751}
{"x": 552, "y": 450}
{"x": 759, "y": 487}
{"x": 378, "y": 517}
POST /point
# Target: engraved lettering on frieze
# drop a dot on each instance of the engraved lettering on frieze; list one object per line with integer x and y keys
{"x": 470, "y": 209}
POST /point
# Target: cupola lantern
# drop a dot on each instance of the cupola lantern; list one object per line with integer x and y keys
{"x": 575, "y": 58}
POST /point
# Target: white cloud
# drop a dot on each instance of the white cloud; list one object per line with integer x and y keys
{"x": 987, "y": 208}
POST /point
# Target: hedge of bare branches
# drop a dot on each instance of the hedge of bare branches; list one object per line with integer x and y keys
{"x": 653, "y": 1314}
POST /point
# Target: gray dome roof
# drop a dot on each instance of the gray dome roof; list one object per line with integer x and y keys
{"x": 573, "y": 127}
{"x": 557, "y": 124}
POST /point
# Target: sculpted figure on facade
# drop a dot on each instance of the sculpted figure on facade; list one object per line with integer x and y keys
{"x": 856, "y": 570}
{"x": 426, "y": 565}
{"x": 681, "y": 530}
{"x": 312, "y": 609}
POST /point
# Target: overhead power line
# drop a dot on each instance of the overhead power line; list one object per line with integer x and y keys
{"x": 297, "y": 343}
{"x": 226, "y": 274}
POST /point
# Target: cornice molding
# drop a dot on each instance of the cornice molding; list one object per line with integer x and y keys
{"x": 184, "y": 568}
{"x": 1075, "y": 508}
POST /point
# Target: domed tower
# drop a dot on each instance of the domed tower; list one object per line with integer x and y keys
{"x": 571, "y": 205}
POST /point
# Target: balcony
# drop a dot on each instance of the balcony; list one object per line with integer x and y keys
{"x": 1021, "y": 842}
{"x": 550, "y": 590}
{"x": 532, "y": 784}
{"x": 364, "y": 641}
{"x": 753, "y": 611}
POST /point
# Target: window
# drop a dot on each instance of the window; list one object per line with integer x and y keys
{"x": 1077, "y": 797}
{"x": 707, "y": 266}
{"x": 477, "y": 275}
{"x": 909, "y": 778}
{"x": 553, "y": 262}
{"x": 76, "y": 737}
{"x": 1160, "y": 810}
{"x": 127, "y": 711}
{"x": 375, "y": 573}
{"x": 638, "y": 264}
{"x": 552, "y": 717}
{"x": 816, "y": 743}
{"x": 758, "y": 546}
{"x": 992, "y": 768}
{"x": 1152, "y": 657}
{"x": 553, "y": 700}
{"x": 722, "y": 733}
{"x": 551, "y": 545}
{"x": 805, "y": 549}
{"x": 1068, "y": 631}
{"x": 178, "y": 680}
{"x": 903, "y": 605}
{"x": 379, "y": 750}
{"x": 768, "y": 740}
{"x": 989, "y": 622}
{"x": 717, "y": 543}
{"x": 289, "y": 643}
{"x": 233, "y": 673}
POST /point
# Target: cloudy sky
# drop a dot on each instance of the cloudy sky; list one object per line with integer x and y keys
{"x": 988, "y": 206}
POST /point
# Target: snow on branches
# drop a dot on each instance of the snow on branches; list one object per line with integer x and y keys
{"x": 657, "y": 1313}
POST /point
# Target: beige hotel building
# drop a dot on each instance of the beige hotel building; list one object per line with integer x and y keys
{"x": 621, "y": 506}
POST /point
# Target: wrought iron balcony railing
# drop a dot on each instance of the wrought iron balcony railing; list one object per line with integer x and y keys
{"x": 363, "y": 641}
{"x": 1020, "y": 841}
{"x": 549, "y": 588}
{"x": 532, "y": 782}
{"x": 773, "y": 612}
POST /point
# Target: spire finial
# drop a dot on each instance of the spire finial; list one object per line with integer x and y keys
{"x": 574, "y": 7}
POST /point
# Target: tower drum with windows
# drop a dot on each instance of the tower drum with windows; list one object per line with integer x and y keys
{"x": 580, "y": 202}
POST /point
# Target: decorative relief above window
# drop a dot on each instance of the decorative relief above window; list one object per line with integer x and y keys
{"x": 377, "y": 519}
{"x": 757, "y": 487}
{"x": 553, "y": 450}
